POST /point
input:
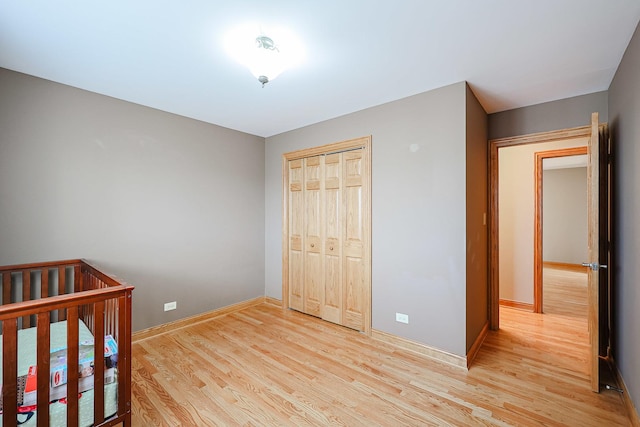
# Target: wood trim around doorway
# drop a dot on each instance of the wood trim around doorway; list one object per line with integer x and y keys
{"x": 537, "y": 227}
{"x": 494, "y": 145}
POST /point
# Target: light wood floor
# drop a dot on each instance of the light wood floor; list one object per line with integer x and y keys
{"x": 564, "y": 292}
{"x": 264, "y": 366}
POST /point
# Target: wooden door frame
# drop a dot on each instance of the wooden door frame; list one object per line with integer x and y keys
{"x": 537, "y": 227}
{"x": 494, "y": 146}
{"x": 352, "y": 144}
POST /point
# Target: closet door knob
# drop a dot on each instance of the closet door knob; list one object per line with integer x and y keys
{"x": 330, "y": 248}
{"x": 313, "y": 245}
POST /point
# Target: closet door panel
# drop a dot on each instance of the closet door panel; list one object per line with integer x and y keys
{"x": 332, "y": 309}
{"x": 353, "y": 247}
{"x": 353, "y": 315}
{"x": 313, "y": 201}
{"x": 333, "y": 169}
{"x": 353, "y": 168}
{"x": 296, "y": 229}
{"x": 296, "y": 281}
{"x": 313, "y": 284}
{"x": 353, "y": 200}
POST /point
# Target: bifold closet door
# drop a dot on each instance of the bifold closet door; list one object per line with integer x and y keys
{"x": 327, "y": 256}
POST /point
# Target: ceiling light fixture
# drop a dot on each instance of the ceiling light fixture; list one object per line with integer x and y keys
{"x": 265, "y": 56}
{"x": 266, "y": 64}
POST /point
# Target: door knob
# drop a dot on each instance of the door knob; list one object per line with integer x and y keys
{"x": 594, "y": 265}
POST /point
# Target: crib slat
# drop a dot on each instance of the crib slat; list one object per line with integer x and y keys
{"x": 9, "y": 372}
{"x": 77, "y": 279}
{"x": 44, "y": 283}
{"x": 98, "y": 377}
{"x": 109, "y": 318}
{"x": 44, "y": 288}
{"x": 125, "y": 345}
{"x": 124, "y": 370}
{"x": 72, "y": 366}
{"x": 26, "y": 296}
{"x": 80, "y": 277}
{"x": 43, "y": 363}
{"x": 6, "y": 287}
{"x": 62, "y": 282}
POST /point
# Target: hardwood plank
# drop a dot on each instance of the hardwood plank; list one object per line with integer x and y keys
{"x": 565, "y": 292}
{"x": 262, "y": 365}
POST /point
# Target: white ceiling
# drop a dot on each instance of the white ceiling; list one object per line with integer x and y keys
{"x": 169, "y": 54}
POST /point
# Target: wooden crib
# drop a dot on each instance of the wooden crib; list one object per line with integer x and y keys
{"x": 73, "y": 299}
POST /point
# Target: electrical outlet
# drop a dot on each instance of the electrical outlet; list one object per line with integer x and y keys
{"x": 402, "y": 318}
{"x": 168, "y": 306}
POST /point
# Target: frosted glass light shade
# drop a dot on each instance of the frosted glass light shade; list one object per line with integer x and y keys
{"x": 244, "y": 46}
{"x": 266, "y": 61}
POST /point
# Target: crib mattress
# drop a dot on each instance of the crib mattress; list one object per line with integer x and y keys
{"x": 27, "y": 340}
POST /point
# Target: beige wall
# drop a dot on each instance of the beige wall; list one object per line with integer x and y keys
{"x": 565, "y": 209}
{"x": 516, "y": 216}
{"x": 418, "y": 218}
{"x": 172, "y": 205}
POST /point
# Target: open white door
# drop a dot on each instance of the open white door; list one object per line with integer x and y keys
{"x": 598, "y": 188}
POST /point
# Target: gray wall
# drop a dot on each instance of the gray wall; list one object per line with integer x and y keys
{"x": 172, "y": 205}
{"x": 624, "y": 113}
{"x": 418, "y": 211}
{"x": 554, "y": 115}
{"x": 564, "y": 217}
{"x": 477, "y": 199}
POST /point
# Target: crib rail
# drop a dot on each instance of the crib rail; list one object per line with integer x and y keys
{"x": 27, "y": 282}
{"x": 80, "y": 291}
